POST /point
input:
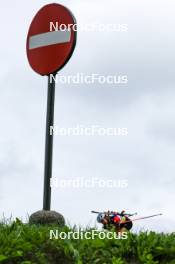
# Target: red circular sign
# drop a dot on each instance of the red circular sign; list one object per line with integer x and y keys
{"x": 51, "y": 39}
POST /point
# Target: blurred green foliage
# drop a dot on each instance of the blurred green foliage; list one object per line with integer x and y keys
{"x": 31, "y": 244}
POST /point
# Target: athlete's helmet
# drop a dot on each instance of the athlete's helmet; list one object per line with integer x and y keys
{"x": 100, "y": 217}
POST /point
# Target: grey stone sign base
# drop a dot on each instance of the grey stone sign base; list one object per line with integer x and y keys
{"x": 47, "y": 217}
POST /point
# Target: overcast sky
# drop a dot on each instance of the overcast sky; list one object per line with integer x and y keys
{"x": 145, "y": 158}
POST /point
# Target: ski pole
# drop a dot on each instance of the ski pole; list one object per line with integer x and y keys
{"x": 139, "y": 218}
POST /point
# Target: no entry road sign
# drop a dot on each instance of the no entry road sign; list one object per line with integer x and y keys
{"x": 49, "y": 50}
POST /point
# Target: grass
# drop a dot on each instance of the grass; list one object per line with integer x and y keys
{"x": 29, "y": 244}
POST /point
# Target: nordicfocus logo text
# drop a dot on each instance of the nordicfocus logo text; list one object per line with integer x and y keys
{"x": 109, "y": 27}
{"x": 85, "y": 182}
{"x": 92, "y": 234}
{"x": 93, "y": 130}
{"x": 92, "y": 78}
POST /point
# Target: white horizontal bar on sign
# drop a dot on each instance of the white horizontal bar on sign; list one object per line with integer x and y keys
{"x": 49, "y": 38}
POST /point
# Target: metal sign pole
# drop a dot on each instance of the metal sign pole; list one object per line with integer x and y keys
{"x": 49, "y": 143}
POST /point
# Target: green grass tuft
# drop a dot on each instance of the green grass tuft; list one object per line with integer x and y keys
{"x": 29, "y": 244}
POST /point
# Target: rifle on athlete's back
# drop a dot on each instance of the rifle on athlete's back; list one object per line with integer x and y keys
{"x": 112, "y": 213}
